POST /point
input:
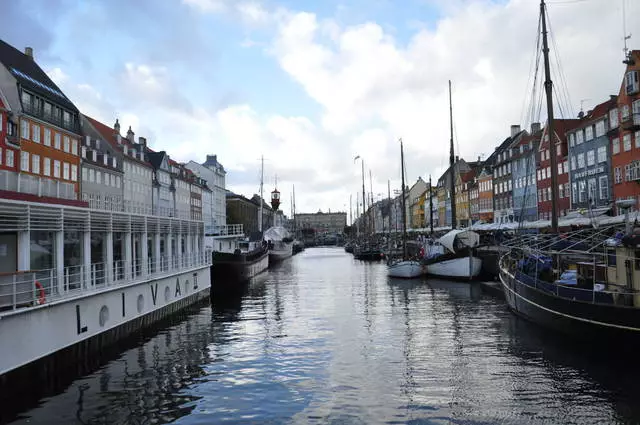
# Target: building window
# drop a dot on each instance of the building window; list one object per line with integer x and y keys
{"x": 92, "y": 176}
{"x": 47, "y": 137}
{"x": 35, "y": 130}
{"x": 573, "y": 163}
{"x": 574, "y": 193}
{"x": 560, "y": 168}
{"x": 637, "y": 136}
{"x": 625, "y": 113}
{"x": 9, "y": 158}
{"x": 67, "y": 146}
{"x": 616, "y": 146}
{"x": 46, "y": 165}
{"x": 35, "y": 164}
{"x": 98, "y": 177}
{"x": 579, "y": 138}
{"x": 572, "y": 139}
{"x": 74, "y": 173}
{"x": 548, "y": 172}
{"x": 617, "y": 175}
{"x": 602, "y": 154}
{"x": 613, "y": 118}
{"x": 627, "y": 172}
{"x": 24, "y": 129}
{"x": 591, "y": 158}
{"x": 626, "y": 142}
{"x": 600, "y": 129}
{"x": 559, "y": 150}
{"x": 588, "y": 133}
{"x": 56, "y": 168}
{"x": 85, "y": 174}
{"x": 592, "y": 190}
{"x": 65, "y": 171}
{"x": 56, "y": 141}
{"x": 582, "y": 191}
{"x": 604, "y": 188}
{"x": 24, "y": 161}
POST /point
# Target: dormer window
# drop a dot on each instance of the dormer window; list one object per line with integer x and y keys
{"x": 632, "y": 85}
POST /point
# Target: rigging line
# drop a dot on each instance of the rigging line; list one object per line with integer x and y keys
{"x": 534, "y": 60}
{"x": 563, "y": 79}
{"x": 537, "y": 85}
{"x": 559, "y": 104}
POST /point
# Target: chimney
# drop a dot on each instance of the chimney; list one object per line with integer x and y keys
{"x": 515, "y": 129}
{"x": 535, "y": 127}
{"x": 29, "y": 52}
{"x": 143, "y": 141}
{"x": 131, "y": 135}
{"x": 116, "y": 127}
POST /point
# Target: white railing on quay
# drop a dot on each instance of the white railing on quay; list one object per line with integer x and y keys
{"x": 26, "y": 289}
{"x": 225, "y": 230}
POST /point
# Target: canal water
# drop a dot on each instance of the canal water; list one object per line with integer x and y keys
{"x": 325, "y": 339}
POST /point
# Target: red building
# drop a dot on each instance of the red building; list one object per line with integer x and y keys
{"x": 624, "y": 133}
{"x": 543, "y": 171}
{"x": 9, "y": 144}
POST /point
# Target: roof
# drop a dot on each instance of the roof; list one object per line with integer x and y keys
{"x": 561, "y": 127}
{"x": 602, "y": 110}
{"x": 31, "y": 76}
{"x": 155, "y": 158}
{"x": 468, "y": 176}
{"x": 109, "y": 134}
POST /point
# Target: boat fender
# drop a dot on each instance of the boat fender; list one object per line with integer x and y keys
{"x": 41, "y": 295}
{"x": 422, "y": 252}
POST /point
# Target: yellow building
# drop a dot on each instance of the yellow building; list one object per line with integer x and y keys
{"x": 463, "y": 184}
{"x": 417, "y": 212}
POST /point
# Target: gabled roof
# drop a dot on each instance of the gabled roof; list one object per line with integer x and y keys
{"x": 602, "y": 110}
{"x": 110, "y": 136}
{"x": 156, "y": 159}
{"x": 27, "y": 72}
{"x": 561, "y": 127}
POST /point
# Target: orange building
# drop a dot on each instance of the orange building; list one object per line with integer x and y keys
{"x": 624, "y": 133}
{"x": 46, "y": 139}
{"x": 485, "y": 195}
{"x": 9, "y": 146}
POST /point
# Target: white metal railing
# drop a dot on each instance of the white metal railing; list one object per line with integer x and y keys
{"x": 225, "y": 230}
{"x": 26, "y": 289}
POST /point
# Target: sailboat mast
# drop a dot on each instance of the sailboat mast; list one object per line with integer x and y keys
{"x": 261, "y": 184}
{"x": 548, "y": 85}
{"x": 364, "y": 197}
{"x": 389, "y": 216}
{"x": 404, "y": 206}
{"x": 430, "y": 205}
{"x": 452, "y": 159}
{"x": 373, "y": 216}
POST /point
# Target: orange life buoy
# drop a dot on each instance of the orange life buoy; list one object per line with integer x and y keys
{"x": 41, "y": 295}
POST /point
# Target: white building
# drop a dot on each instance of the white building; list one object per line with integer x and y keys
{"x": 214, "y": 209}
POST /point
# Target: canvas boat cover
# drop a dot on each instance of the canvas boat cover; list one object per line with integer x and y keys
{"x": 455, "y": 238}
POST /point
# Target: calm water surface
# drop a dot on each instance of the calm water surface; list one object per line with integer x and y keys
{"x": 323, "y": 339}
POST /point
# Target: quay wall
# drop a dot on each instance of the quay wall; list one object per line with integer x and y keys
{"x": 90, "y": 322}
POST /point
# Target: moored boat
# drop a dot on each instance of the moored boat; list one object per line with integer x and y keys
{"x": 279, "y": 243}
{"x": 452, "y": 255}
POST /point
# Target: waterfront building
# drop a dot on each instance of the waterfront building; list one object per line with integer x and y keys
{"x": 463, "y": 206}
{"x": 562, "y": 127}
{"x": 330, "y": 222}
{"x": 590, "y": 158}
{"x": 523, "y": 174}
{"x": 624, "y": 132}
{"x": 44, "y": 139}
{"x": 418, "y": 211}
{"x": 412, "y": 199}
{"x": 9, "y": 146}
{"x": 502, "y": 180}
{"x": 485, "y": 194}
{"x": 444, "y": 193}
{"x": 214, "y": 208}
{"x": 102, "y": 173}
{"x": 245, "y": 211}
{"x": 137, "y": 179}
{"x": 163, "y": 190}
{"x": 433, "y": 202}
{"x": 474, "y": 200}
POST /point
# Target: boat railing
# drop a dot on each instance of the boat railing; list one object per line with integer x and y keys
{"x": 25, "y": 289}
{"x": 225, "y": 230}
{"x": 600, "y": 291}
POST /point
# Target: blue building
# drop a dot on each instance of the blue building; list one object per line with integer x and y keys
{"x": 523, "y": 174}
{"x": 590, "y": 159}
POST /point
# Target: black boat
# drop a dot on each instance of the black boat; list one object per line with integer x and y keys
{"x": 368, "y": 252}
{"x": 236, "y": 259}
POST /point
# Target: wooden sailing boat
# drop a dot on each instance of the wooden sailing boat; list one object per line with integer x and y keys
{"x": 405, "y": 267}
{"x": 451, "y": 256}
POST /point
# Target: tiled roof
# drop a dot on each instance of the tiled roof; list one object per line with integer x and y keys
{"x": 110, "y": 135}
{"x": 561, "y": 127}
{"x": 31, "y": 76}
{"x": 602, "y": 110}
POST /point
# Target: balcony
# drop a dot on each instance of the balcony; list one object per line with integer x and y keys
{"x": 38, "y": 112}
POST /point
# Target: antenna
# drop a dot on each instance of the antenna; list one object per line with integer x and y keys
{"x": 625, "y": 36}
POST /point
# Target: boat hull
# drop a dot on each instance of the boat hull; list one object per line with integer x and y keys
{"x": 456, "y": 268}
{"x": 230, "y": 268}
{"x": 581, "y": 319}
{"x": 280, "y": 254}
{"x": 405, "y": 269}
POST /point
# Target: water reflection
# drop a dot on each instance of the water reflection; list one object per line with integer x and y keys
{"x": 325, "y": 339}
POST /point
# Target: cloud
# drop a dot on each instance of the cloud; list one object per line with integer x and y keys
{"x": 371, "y": 85}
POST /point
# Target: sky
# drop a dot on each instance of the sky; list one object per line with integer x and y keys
{"x": 310, "y": 85}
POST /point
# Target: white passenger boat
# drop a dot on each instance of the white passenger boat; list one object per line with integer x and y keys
{"x": 451, "y": 256}
{"x": 280, "y": 244}
{"x": 405, "y": 269}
